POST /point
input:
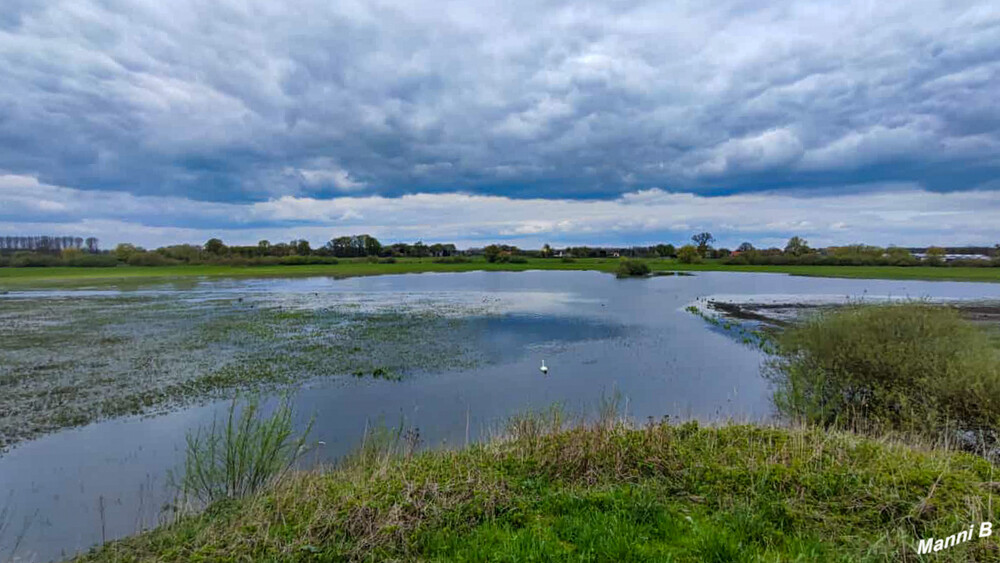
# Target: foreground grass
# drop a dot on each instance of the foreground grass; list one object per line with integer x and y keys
{"x": 605, "y": 493}
{"x": 14, "y": 278}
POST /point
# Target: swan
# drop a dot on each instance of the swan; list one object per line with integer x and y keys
{"x": 544, "y": 369}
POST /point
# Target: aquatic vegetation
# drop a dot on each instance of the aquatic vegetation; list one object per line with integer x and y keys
{"x": 66, "y": 362}
{"x": 242, "y": 455}
{"x": 753, "y": 336}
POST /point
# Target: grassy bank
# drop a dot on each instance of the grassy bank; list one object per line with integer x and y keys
{"x": 14, "y": 278}
{"x": 604, "y": 493}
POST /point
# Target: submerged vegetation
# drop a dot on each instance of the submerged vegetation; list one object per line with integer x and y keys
{"x": 601, "y": 492}
{"x": 911, "y": 367}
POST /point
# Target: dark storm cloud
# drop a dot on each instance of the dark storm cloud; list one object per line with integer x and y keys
{"x": 524, "y": 121}
{"x": 238, "y": 100}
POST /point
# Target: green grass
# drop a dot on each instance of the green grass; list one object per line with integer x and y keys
{"x": 13, "y": 278}
{"x": 605, "y": 492}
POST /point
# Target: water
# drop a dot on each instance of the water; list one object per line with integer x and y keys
{"x": 599, "y": 336}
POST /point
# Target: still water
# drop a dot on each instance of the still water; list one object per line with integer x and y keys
{"x": 67, "y": 491}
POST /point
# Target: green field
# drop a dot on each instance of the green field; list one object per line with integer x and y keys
{"x": 606, "y": 492}
{"x": 21, "y": 277}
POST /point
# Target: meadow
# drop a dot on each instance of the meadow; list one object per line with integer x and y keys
{"x": 23, "y": 278}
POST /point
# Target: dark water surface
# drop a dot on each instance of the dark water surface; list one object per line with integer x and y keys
{"x": 69, "y": 490}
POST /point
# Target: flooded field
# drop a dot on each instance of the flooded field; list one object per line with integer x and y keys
{"x": 98, "y": 386}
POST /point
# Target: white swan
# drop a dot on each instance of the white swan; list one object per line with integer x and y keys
{"x": 544, "y": 369}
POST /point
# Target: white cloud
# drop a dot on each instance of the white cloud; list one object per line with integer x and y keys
{"x": 894, "y": 214}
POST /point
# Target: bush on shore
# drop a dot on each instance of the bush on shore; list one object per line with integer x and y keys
{"x": 911, "y": 367}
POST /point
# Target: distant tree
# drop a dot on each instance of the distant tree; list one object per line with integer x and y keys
{"x": 492, "y": 252}
{"x": 340, "y": 246}
{"x": 665, "y": 250}
{"x": 70, "y": 253}
{"x": 370, "y": 245}
{"x": 92, "y": 246}
{"x": 935, "y": 255}
{"x": 704, "y": 241}
{"x": 797, "y": 246}
{"x": 181, "y": 252}
{"x": 420, "y": 249}
{"x": 354, "y": 246}
{"x": 215, "y": 246}
{"x": 689, "y": 254}
{"x": 302, "y": 247}
{"x": 124, "y": 251}
{"x": 264, "y": 247}
{"x": 898, "y": 252}
{"x": 546, "y": 251}
{"x": 745, "y": 247}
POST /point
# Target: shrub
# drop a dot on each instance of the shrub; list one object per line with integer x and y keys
{"x": 33, "y": 260}
{"x": 243, "y": 455}
{"x": 568, "y": 259}
{"x": 150, "y": 259}
{"x": 688, "y": 254}
{"x": 389, "y": 260}
{"x": 452, "y": 260}
{"x": 912, "y": 367}
{"x": 629, "y": 268}
{"x": 92, "y": 261}
{"x": 305, "y": 260}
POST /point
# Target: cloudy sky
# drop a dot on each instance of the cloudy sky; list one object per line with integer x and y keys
{"x": 615, "y": 122}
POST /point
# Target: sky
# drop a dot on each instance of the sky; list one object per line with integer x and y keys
{"x": 602, "y": 123}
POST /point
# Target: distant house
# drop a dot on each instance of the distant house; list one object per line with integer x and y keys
{"x": 953, "y": 257}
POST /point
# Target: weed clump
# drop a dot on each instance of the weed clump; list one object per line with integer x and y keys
{"x": 632, "y": 268}
{"x": 242, "y": 455}
{"x": 911, "y": 367}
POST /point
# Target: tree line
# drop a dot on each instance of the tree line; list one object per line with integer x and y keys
{"x": 44, "y": 243}
{"x": 22, "y": 251}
